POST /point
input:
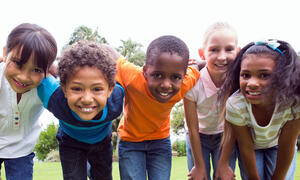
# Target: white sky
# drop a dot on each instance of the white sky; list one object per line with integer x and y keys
{"x": 145, "y": 20}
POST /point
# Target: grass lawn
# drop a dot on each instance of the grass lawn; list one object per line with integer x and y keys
{"x": 52, "y": 171}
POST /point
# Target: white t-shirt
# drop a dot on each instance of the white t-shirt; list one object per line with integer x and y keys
{"x": 239, "y": 112}
{"x": 19, "y": 126}
{"x": 204, "y": 93}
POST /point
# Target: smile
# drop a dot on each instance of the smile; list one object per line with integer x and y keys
{"x": 20, "y": 85}
{"x": 254, "y": 93}
{"x": 87, "y": 109}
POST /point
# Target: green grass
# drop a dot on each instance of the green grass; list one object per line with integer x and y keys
{"x": 52, "y": 171}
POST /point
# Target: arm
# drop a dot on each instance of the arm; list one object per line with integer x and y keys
{"x": 246, "y": 148}
{"x": 224, "y": 171}
{"x": 286, "y": 148}
{"x": 199, "y": 170}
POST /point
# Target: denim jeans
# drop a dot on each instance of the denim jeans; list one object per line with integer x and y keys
{"x": 152, "y": 158}
{"x": 210, "y": 150}
{"x": 266, "y": 163}
{"x": 19, "y": 168}
{"x": 74, "y": 156}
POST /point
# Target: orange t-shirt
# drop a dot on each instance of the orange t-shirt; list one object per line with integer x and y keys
{"x": 144, "y": 118}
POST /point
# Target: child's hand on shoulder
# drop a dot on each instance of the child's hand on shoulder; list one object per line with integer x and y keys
{"x": 197, "y": 63}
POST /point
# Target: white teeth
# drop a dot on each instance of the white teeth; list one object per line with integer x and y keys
{"x": 164, "y": 94}
{"x": 86, "y": 109}
{"x": 254, "y": 93}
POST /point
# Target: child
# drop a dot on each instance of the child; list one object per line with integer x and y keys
{"x": 205, "y": 127}
{"x": 264, "y": 108}
{"x": 28, "y": 54}
{"x": 150, "y": 94}
{"x": 85, "y": 104}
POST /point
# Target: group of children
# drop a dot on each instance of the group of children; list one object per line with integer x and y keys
{"x": 244, "y": 103}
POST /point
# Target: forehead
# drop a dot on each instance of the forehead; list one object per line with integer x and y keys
{"x": 221, "y": 37}
{"x": 166, "y": 62}
{"x": 255, "y": 62}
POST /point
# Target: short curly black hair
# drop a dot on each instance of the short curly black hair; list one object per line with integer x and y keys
{"x": 86, "y": 53}
{"x": 167, "y": 44}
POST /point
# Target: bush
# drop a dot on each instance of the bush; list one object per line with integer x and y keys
{"x": 179, "y": 147}
{"x": 47, "y": 142}
{"x": 53, "y": 156}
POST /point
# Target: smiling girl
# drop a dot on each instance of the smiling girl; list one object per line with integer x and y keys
{"x": 264, "y": 108}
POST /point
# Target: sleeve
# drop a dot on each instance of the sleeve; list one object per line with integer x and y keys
{"x": 234, "y": 114}
{"x": 126, "y": 71}
{"x": 190, "y": 79}
{"x": 192, "y": 94}
{"x": 46, "y": 89}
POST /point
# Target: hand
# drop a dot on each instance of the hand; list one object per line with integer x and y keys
{"x": 197, "y": 174}
{"x": 197, "y": 63}
{"x": 224, "y": 172}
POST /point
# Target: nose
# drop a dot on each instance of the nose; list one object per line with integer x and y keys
{"x": 253, "y": 83}
{"x": 87, "y": 97}
{"x": 222, "y": 55}
{"x": 24, "y": 76}
{"x": 166, "y": 84}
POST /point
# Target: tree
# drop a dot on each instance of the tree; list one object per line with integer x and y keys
{"x": 47, "y": 142}
{"x": 177, "y": 122}
{"x": 85, "y": 33}
{"x": 132, "y": 51}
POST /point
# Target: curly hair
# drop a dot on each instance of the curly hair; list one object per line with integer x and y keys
{"x": 284, "y": 79}
{"x": 167, "y": 44}
{"x": 85, "y": 53}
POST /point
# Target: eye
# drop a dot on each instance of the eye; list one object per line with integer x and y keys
{"x": 176, "y": 77}
{"x": 157, "y": 75}
{"x": 38, "y": 70}
{"x": 265, "y": 75}
{"x": 213, "y": 50}
{"x": 76, "y": 89}
{"x": 98, "y": 89}
{"x": 245, "y": 75}
{"x": 228, "y": 49}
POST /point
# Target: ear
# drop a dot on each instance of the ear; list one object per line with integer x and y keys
{"x": 201, "y": 53}
{"x": 110, "y": 90}
{"x": 238, "y": 50}
{"x": 145, "y": 71}
{"x": 3, "y": 59}
{"x": 63, "y": 87}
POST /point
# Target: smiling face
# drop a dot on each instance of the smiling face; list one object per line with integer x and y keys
{"x": 220, "y": 50}
{"x": 255, "y": 76}
{"x": 25, "y": 78}
{"x": 87, "y": 91}
{"x": 164, "y": 76}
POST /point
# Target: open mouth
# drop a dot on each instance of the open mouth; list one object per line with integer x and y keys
{"x": 87, "y": 109}
{"x": 20, "y": 85}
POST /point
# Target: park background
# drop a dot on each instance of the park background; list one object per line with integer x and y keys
{"x": 129, "y": 26}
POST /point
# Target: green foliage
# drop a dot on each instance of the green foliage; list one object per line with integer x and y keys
{"x": 47, "y": 142}
{"x": 179, "y": 147}
{"x": 132, "y": 51}
{"x": 177, "y": 122}
{"x": 85, "y": 33}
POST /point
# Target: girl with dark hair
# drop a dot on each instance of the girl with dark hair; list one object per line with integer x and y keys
{"x": 263, "y": 108}
{"x": 28, "y": 54}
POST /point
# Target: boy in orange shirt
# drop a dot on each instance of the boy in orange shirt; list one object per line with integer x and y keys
{"x": 150, "y": 94}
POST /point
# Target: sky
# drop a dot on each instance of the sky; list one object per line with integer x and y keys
{"x": 144, "y": 20}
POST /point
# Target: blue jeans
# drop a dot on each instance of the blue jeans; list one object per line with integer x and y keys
{"x": 152, "y": 158}
{"x": 210, "y": 149}
{"x": 19, "y": 168}
{"x": 75, "y": 154}
{"x": 266, "y": 163}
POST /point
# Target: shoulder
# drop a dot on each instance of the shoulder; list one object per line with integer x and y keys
{"x": 236, "y": 109}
